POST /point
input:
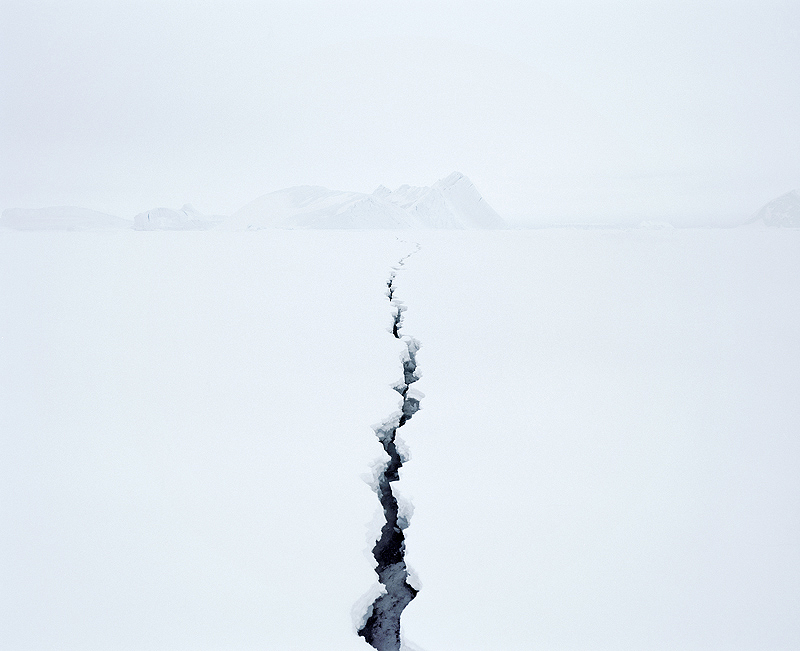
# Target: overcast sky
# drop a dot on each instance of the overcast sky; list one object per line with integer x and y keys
{"x": 558, "y": 111}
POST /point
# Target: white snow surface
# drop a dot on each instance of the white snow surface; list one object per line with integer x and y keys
{"x": 605, "y": 457}
{"x": 167, "y": 219}
{"x": 783, "y": 211}
{"x": 451, "y": 203}
{"x": 60, "y": 218}
{"x": 186, "y": 417}
{"x": 607, "y": 452}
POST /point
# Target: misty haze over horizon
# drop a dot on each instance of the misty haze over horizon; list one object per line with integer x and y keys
{"x": 589, "y": 112}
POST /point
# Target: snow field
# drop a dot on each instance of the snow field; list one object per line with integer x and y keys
{"x": 606, "y": 456}
{"x": 186, "y": 419}
{"x": 607, "y": 453}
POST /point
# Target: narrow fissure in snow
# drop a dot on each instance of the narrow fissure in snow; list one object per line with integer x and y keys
{"x": 381, "y": 627}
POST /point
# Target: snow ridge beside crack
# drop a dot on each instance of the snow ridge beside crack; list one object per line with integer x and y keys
{"x": 381, "y": 627}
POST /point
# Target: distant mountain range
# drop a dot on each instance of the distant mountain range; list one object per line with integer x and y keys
{"x": 450, "y": 203}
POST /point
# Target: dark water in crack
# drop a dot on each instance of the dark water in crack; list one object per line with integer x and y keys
{"x": 382, "y": 627}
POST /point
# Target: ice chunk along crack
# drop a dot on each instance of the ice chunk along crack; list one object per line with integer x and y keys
{"x": 381, "y": 628}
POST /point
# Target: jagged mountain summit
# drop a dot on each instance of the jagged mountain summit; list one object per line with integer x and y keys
{"x": 451, "y": 203}
{"x": 783, "y": 211}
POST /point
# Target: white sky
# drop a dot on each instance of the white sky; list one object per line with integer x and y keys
{"x": 558, "y": 111}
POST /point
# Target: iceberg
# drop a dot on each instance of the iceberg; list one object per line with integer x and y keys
{"x": 166, "y": 219}
{"x": 315, "y": 207}
{"x": 783, "y": 211}
{"x": 451, "y": 203}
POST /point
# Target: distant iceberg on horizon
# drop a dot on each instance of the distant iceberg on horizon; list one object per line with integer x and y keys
{"x": 780, "y": 212}
{"x": 450, "y": 203}
{"x": 166, "y": 219}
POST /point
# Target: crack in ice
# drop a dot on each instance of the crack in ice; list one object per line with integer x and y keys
{"x": 381, "y": 627}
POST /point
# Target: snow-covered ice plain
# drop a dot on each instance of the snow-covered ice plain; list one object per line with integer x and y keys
{"x": 186, "y": 419}
{"x": 606, "y": 456}
{"x": 608, "y": 452}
